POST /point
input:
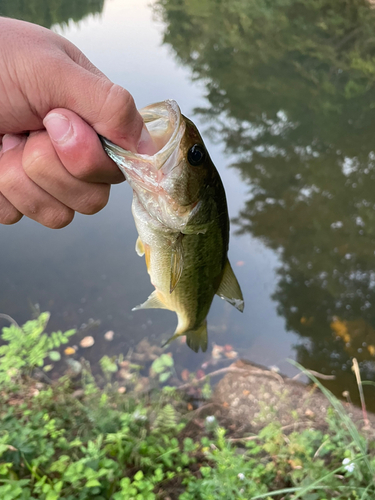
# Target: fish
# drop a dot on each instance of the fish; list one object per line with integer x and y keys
{"x": 181, "y": 215}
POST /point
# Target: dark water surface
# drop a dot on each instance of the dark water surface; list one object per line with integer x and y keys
{"x": 284, "y": 95}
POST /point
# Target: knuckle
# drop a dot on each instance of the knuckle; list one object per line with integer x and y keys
{"x": 118, "y": 106}
{"x": 34, "y": 161}
{"x": 121, "y": 97}
{"x": 95, "y": 201}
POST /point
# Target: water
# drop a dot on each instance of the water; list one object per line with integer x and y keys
{"x": 284, "y": 96}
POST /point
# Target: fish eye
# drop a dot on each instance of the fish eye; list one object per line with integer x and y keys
{"x": 196, "y": 155}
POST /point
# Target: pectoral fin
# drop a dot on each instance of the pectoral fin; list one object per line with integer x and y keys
{"x": 139, "y": 248}
{"x": 153, "y": 302}
{"x": 177, "y": 262}
{"x": 229, "y": 288}
{"x": 195, "y": 339}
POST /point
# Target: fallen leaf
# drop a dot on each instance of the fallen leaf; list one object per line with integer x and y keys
{"x": 185, "y": 375}
{"x": 231, "y": 354}
{"x": 225, "y": 404}
{"x": 69, "y": 351}
{"x": 371, "y": 349}
{"x": 189, "y": 406}
{"x": 245, "y": 392}
{"x": 216, "y": 351}
{"x": 87, "y": 341}
{"x": 124, "y": 374}
{"x": 109, "y": 335}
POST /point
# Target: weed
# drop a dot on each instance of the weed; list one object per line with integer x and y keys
{"x": 112, "y": 446}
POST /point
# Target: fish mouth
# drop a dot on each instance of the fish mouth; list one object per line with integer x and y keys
{"x": 166, "y": 127}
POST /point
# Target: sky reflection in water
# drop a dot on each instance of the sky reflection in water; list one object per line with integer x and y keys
{"x": 291, "y": 111}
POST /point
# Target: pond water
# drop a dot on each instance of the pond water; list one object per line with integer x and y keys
{"x": 284, "y": 96}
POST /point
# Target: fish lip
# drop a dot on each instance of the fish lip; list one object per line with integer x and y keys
{"x": 159, "y": 159}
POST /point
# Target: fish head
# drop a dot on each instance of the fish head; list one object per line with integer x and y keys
{"x": 171, "y": 184}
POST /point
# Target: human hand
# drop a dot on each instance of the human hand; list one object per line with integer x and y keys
{"x": 53, "y": 103}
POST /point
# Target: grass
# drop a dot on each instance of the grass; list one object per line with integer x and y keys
{"x": 80, "y": 438}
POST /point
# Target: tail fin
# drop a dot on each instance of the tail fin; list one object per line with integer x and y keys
{"x": 195, "y": 339}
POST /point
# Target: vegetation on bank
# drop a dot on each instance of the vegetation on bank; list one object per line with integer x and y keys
{"x": 87, "y": 439}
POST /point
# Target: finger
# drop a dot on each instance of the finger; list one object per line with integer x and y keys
{"x": 79, "y": 148}
{"x": 107, "y": 107}
{"x": 28, "y": 198}
{"x": 8, "y": 214}
{"x": 62, "y": 77}
{"x": 44, "y": 168}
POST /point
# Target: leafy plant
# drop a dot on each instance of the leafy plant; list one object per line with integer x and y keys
{"x": 112, "y": 446}
{"x": 163, "y": 367}
{"x": 27, "y": 347}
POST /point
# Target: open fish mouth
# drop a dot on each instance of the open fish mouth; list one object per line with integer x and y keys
{"x": 166, "y": 127}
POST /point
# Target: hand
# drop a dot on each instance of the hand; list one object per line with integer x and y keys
{"x": 53, "y": 103}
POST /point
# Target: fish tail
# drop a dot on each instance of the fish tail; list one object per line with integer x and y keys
{"x": 197, "y": 338}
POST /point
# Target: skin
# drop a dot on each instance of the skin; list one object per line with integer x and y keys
{"x": 53, "y": 103}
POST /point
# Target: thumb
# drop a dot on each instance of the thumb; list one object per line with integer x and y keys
{"x": 107, "y": 107}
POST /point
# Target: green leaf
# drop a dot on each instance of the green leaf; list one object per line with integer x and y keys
{"x": 92, "y": 483}
{"x": 163, "y": 377}
{"x": 52, "y": 495}
{"x": 138, "y": 476}
{"x": 54, "y": 355}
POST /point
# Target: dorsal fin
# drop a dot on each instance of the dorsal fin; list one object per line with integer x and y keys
{"x": 153, "y": 302}
{"x": 229, "y": 288}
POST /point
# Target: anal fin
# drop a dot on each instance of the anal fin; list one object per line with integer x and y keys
{"x": 229, "y": 288}
{"x": 153, "y": 302}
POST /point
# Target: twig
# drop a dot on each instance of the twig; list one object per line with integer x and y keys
{"x": 10, "y": 319}
{"x": 316, "y": 374}
{"x": 233, "y": 369}
{"x": 361, "y": 395}
{"x": 228, "y": 369}
{"x": 285, "y": 428}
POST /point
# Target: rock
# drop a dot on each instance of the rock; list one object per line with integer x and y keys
{"x": 256, "y": 397}
{"x": 109, "y": 335}
{"x": 87, "y": 341}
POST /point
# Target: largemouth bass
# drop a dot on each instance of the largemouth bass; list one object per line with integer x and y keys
{"x": 180, "y": 211}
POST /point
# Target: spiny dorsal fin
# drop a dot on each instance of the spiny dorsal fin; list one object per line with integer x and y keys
{"x": 177, "y": 262}
{"x": 139, "y": 248}
{"x": 229, "y": 288}
{"x": 153, "y": 302}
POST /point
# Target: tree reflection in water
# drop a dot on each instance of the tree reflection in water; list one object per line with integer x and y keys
{"x": 290, "y": 90}
{"x": 49, "y": 12}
